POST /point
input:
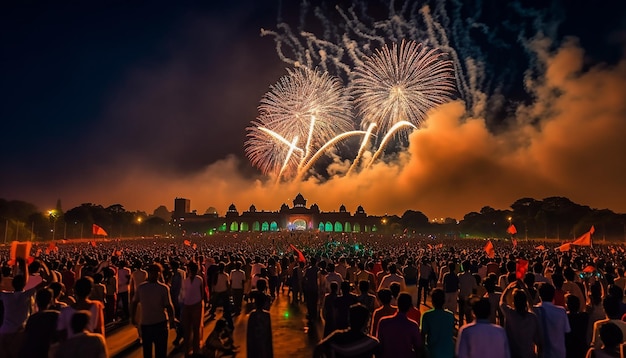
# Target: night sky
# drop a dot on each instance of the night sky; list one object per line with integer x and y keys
{"x": 140, "y": 102}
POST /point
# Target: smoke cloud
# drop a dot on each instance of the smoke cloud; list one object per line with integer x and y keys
{"x": 568, "y": 142}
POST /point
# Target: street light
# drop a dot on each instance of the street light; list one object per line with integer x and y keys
{"x": 53, "y": 216}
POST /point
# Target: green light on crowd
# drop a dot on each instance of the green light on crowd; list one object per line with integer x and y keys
{"x": 286, "y": 314}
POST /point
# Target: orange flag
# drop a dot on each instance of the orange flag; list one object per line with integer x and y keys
{"x": 51, "y": 247}
{"x": 521, "y": 267}
{"x": 301, "y": 257}
{"x": 540, "y": 247}
{"x": 187, "y": 243}
{"x": 97, "y": 230}
{"x": 511, "y": 230}
{"x": 490, "y": 250}
{"x": 564, "y": 247}
{"x": 585, "y": 239}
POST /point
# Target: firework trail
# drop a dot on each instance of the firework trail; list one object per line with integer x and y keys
{"x": 305, "y": 105}
{"x": 364, "y": 143}
{"x": 402, "y": 84}
{"x": 359, "y": 45}
{"x": 383, "y": 143}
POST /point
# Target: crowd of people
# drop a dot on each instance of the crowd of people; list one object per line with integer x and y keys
{"x": 371, "y": 295}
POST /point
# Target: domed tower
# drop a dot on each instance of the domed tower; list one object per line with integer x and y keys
{"x": 315, "y": 208}
{"x": 360, "y": 210}
{"x": 299, "y": 201}
{"x": 252, "y": 209}
{"x": 342, "y": 208}
{"x": 284, "y": 208}
{"x": 232, "y": 211}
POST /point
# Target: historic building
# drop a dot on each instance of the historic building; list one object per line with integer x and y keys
{"x": 297, "y": 217}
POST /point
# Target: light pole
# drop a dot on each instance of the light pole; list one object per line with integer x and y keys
{"x": 53, "y": 217}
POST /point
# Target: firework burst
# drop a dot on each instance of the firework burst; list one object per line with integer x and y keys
{"x": 302, "y": 112}
{"x": 401, "y": 83}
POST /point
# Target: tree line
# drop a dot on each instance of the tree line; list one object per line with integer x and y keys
{"x": 553, "y": 217}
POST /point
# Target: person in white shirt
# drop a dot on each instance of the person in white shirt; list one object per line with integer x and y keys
{"x": 554, "y": 322}
{"x": 482, "y": 339}
{"x": 123, "y": 286}
{"x": 192, "y": 298}
{"x": 393, "y": 276}
{"x": 237, "y": 282}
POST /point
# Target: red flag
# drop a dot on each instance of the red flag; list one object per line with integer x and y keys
{"x": 187, "y": 243}
{"x": 540, "y": 247}
{"x": 51, "y": 247}
{"x": 564, "y": 247}
{"x": 514, "y": 241}
{"x": 584, "y": 240}
{"x": 301, "y": 257}
{"x": 94, "y": 244}
{"x": 490, "y": 250}
{"x": 521, "y": 267}
{"x": 592, "y": 230}
{"x": 511, "y": 230}
{"x": 97, "y": 230}
{"x": 20, "y": 249}
{"x": 589, "y": 269}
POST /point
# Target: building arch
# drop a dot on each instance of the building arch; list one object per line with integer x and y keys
{"x": 328, "y": 227}
{"x": 356, "y": 227}
{"x": 222, "y": 227}
{"x": 234, "y": 226}
{"x": 273, "y": 226}
{"x": 244, "y": 226}
{"x": 320, "y": 227}
{"x": 338, "y": 227}
{"x": 256, "y": 226}
{"x": 347, "y": 227}
{"x": 299, "y": 224}
{"x": 265, "y": 226}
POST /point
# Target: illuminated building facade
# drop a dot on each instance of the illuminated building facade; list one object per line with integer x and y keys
{"x": 298, "y": 217}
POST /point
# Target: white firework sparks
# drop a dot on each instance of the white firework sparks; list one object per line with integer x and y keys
{"x": 402, "y": 84}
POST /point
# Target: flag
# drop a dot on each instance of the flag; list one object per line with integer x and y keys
{"x": 584, "y": 239}
{"x": 511, "y": 230}
{"x": 97, "y": 230}
{"x": 589, "y": 269}
{"x": 564, "y": 247}
{"x": 301, "y": 257}
{"x": 521, "y": 267}
{"x": 51, "y": 247}
{"x": 592, "y": 230}
{"x": 540, "y": 247}
{"x": 20, "y": 249}
{"x": 187, "y": 243}
{"x": 490, "y": 250}
{"x": 514, "y": 241}
{"x": 94, "y": 244}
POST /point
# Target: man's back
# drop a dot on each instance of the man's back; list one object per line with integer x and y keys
{"x": 399, "y": 336}
{"x": 344, "y": 344}
{"x": 554, "y": 323}
{"x": 154, "y": 298}
{"x": 438, "y": 329}
{"x": 481, "y": 339}
{"x": 83, "y": 345}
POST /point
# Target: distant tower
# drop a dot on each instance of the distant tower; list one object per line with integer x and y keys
{"x": 181, "y": 207}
